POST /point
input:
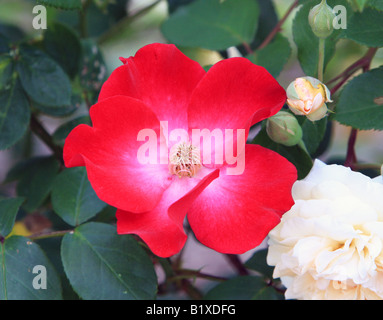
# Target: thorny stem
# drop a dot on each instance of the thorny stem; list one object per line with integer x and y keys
{"x": 351, "y": 155}
{"x": 191, "y": 290}
{"x": 174, "y": 275}
{"x": 237, "y": 264}
{"x": 185, "y": 273}
{"x": 278, "y": 26}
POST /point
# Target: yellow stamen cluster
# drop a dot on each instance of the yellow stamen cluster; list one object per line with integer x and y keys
{"x": 184, "y": 160}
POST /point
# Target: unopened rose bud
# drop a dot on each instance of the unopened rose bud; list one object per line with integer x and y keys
{"x": 308, "y": 96}
{"x": 284, "y": 128}
{"x": 321, "y": 19}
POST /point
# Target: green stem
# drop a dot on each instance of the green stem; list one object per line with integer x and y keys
{"x": 45, "y": 235}
{"x": 322, "y": 44}
{"x": 83, "y": 19}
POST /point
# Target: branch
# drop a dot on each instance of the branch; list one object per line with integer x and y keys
{"x": 83, "y": 19}
{"x": 247, "y": 48}
{"x": 278, "y": 26}
{"x": 117, "y": 27}
{"x": 186, "y": 273}
{"x": 363, "y": 63}
{"x": 40, "y": 131}
{"x": 191, "y": 290}
{"x": 351, "y": 155}
{"x": 237, "y": 264}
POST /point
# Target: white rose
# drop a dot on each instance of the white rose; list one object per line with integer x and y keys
{"x": 330, "y": 244}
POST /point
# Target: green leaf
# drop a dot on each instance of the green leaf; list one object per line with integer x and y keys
{"x": 102, "y": 265}
{"x": 360, "y": 103}
{"x": 313, "y": 132}
{"x": 61, "y": 111}
{"x": 258, "y": 263}
{"x": 62, "y": 131}
{"x": 296, "y": 155}
{"x": 377, "y": 4}
{"x": 52, "y": 249}
{"x": 360, "y": 4}
{"x": 73, "y": 198}
{"x": 6, "y": 71}
{"x": 62, "y": 4}
{"x": 308, "y": 43}
{"x": 242, "y": 288}
{"x": 274, "y": 56}
{"x": 4, "y": 44}
{"x": 14, "y": 114}
{"x": 43, "y": 79}
{"x": 9, "y": 208}
{"x": 11, "y": 32}
{"x": 63, "y": 45}
{"x": 174, "y": 4}
{"x": 218, "y": 24}
{"x": 18, "y": 257}
{"x": 35, "y": 180}
{"x": 366, "y": 28}
{"x": 99, "y": 17}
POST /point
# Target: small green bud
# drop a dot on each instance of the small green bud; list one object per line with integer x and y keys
{"x": 284, "y": 128}
{"x": 321, "y": 19}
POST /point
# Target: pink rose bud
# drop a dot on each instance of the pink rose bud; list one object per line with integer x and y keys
{"x": 308, "y": 96}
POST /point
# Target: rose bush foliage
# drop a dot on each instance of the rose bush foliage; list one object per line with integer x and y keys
{"x": 104, "y": 186}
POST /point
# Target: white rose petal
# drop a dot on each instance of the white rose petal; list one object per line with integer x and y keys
{"x": 330, "y": 244}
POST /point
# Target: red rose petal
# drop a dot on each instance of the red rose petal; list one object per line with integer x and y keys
{"x": 109, "y": 151}
{"x": 234, "y": 94}
{"x": 162, "y": 228}
{"x": 162, "y": 77}
{"x": 236, "y": 212}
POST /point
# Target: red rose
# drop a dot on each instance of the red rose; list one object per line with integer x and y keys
{"x": 135, "y": 164}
